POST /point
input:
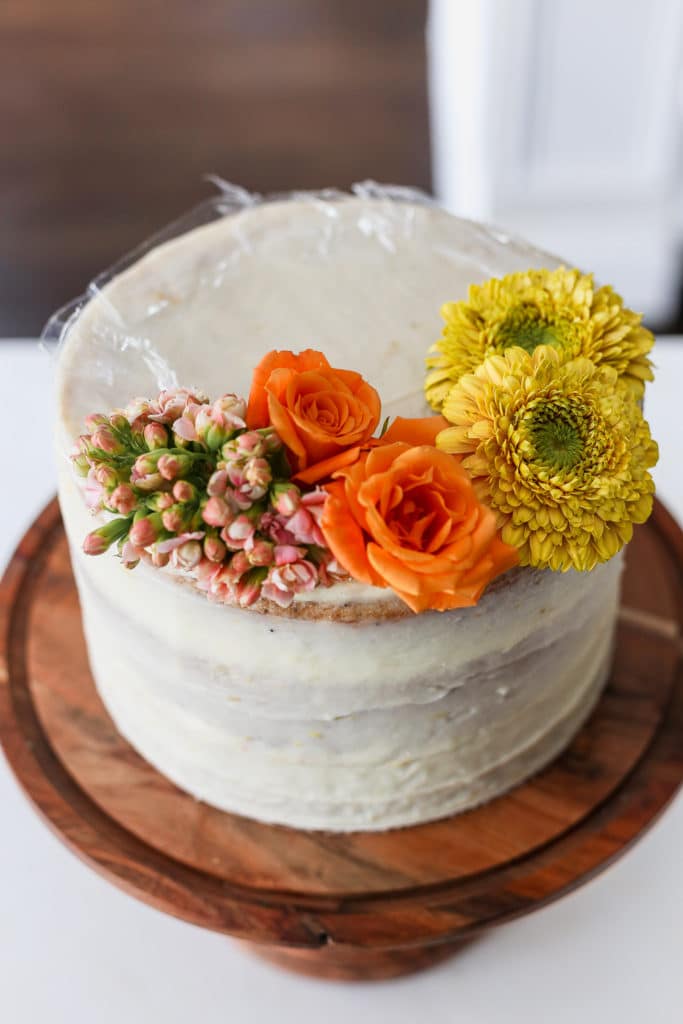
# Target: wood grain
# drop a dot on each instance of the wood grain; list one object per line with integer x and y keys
{"x": 111, "y": 115}
{"x": 370, "y": 904}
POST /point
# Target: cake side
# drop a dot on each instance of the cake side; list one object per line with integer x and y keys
{"x": 332, "y": 725}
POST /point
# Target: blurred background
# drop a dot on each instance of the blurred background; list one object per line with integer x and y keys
{"x": 559, "y": 121}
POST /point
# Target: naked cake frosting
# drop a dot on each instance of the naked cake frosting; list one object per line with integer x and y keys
{"x": 360, "y": 474}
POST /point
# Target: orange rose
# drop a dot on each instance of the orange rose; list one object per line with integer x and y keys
{"x": 405, "y": 516}
{"x": 322, "y": 414}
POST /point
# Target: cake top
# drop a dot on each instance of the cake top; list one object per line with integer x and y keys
{"x": 360, "y": 279}
{"x": 333, "y": 475}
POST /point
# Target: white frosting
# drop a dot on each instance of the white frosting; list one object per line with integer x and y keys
{"x": 361, "y": 280}
{"x": 316, "y": 723}
{"x": 323, "y": 724}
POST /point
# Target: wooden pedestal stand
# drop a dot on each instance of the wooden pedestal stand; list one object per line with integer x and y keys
{"x": 366, "y": 905}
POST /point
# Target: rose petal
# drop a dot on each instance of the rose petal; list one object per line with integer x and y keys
{"x": 415, "y": 431}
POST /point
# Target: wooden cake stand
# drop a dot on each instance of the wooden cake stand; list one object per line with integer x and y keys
{"x": 364, "y": 905}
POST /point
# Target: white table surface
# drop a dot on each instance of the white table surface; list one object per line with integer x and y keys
{"x": 75, "y": 949}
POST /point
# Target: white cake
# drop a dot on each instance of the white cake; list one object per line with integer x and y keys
{"x": 346, "y": 711}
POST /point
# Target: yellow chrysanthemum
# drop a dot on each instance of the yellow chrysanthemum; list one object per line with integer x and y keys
{"x": 561, "y": 308}
{"x": 557, "y": 450}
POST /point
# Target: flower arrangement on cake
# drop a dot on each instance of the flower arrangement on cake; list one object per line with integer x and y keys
{"x": 537, "y": 454}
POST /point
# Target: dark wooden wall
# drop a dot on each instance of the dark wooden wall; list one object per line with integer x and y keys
{"x": 111, "y": 112}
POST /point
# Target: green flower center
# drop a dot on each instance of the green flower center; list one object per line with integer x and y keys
{"x": 558, "y": 433}
{"x": 527, "y": 327}
{"x": 557, "y": 444}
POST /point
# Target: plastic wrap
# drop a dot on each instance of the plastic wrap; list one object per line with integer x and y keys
{"x": 124, "y": 337}
{"x": 121, "y": 339}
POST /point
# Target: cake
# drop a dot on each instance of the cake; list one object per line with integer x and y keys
{"x": 342, "y": 707}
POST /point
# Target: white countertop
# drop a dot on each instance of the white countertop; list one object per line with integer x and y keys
{"x": 75, "y": 949}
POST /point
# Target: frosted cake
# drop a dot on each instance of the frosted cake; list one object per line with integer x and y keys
{"x": 346, "y": 590}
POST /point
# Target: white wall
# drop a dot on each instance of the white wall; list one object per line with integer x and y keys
{"x": 561, "y": 120}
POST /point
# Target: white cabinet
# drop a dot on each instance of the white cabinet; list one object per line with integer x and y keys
{"x": 561, "y": 121}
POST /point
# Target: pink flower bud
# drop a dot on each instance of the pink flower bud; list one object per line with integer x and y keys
{"x": 164, "y": 500}
{"x": 230, "y": 452}
{"x": 235, "y": 474}
{"x": 184, "y": 491}
{"x": 169, "y": 467}
{"x": 216, "y": 512}
{"x": 251, "y": 443}
{"x": 138, "y": 411}
{"x": 144, "y": 474}
{"x": 184, "y": 428}
{"x": 304, "y": 528}
{"x": 286, "y": 499}
{"x": 151, "y": 482}
{"x": 119, "y": 421}
{"x": 95, "y": 420}
{"x": 143, "y": 466}
{"x": 209, "y": 432}
{"x": 143, "y": 532}
{"x": 173, "y": 466}
{"x": 286, "y": 553}
{"x": 238, "y": 532}
{"x": 247, "y": 592}
{"x": 95, "y": 544}
{"x": 99, "y": 540}
{"x": 275, "y": 527}
{"x": 258, "y": 475}
{"x": 172, "y": 402}
{"x": 104, "y": 439}
{"x": 123, "y": 499}
{"x": 219, "y": 586}
{"x": 106, "y": 477}
{"x": 188, "y": 555}
{"x": 229, "y": 411}
{"x": 173, "y": 520}
{"x": 156, "y": 436}
{"x": 283, "y": 583}
{"x": 214, "y": 424}
{"x": 218, "y": 483}
{"x": 214, "y": 549}
{"x": 160, "y": 501}
{"x": 239, "y": 563}
{"x": 241, "y": 498}
{"x": 260, "y": 553}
